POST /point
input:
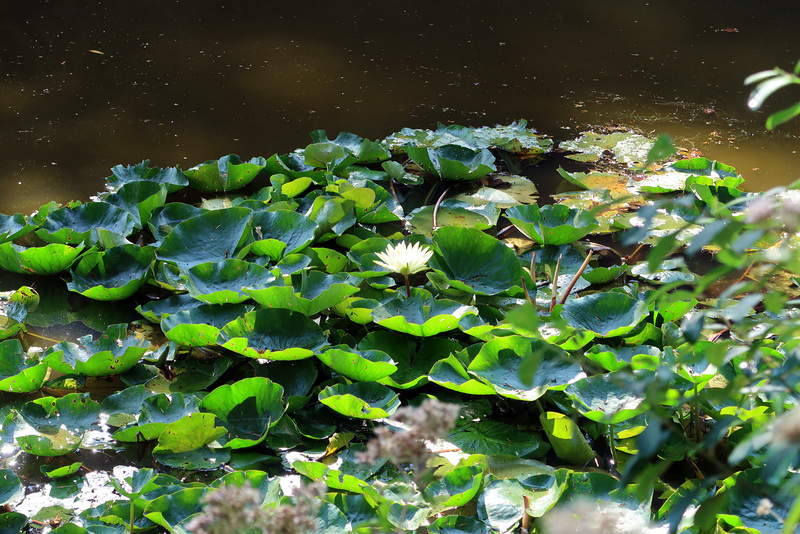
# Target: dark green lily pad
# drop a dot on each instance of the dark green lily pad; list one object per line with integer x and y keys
{"x": 173, "y": 511}
{"x": 156, "y": 310}
{"x": 47, "y": 260}
{"x": 157, "y": 411}
{"x": 13, "y": 227}
{"x": 228, "y": 173}
{"x": 358, "y": 365}
{"x": 361, "y": 400}
{"x": 606, "y": 314}
{"x": 523, "y": 368}
{"x": 164, "y": 219}
{"x": 213, "y": 236}
{"x": 139, "y": 199}
{"x": 452, "y": 374}
{"x": 293, "y": 166}
{"x": 420, "y": 315}
{"x": 311, "y": 293}
{"x": 455, "y": 489}
{"x": 453, "y": 162}
{"x": 16, "y": 374}
{"x": 247, "y": 409}
{"x": 112, "y": 353}
{"x": 290, "y": 227}
{"x": 172, "y": 177}
{"x": 329, "y": 156}
{"x": 274, "y": 334}
{"x": 200, "y": 326}
{"x": 493, "y": 437}
{"x": 475, "y": 262}
{"x": 72, "y": 226}
{"x": 223, "y": 282}
{"x": 73, "y": 412}
{"x": 553, "y": 224}
{"x": 113, "y": 274}
{"x": 366, "y": 151}
{"x": 10, "y": 487}
{"x": 605, "y": 399}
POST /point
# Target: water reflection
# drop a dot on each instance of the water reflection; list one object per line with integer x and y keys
{"x": 181, "y": 82}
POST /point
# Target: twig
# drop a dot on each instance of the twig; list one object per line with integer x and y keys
{"x": 575, "y": 278}
{"x": 554, "y": 284}
{"x": 632, "y": 256}
{"x": 436, "y": 207}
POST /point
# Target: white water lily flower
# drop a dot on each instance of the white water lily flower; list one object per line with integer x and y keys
{"x": 405, "y": 259}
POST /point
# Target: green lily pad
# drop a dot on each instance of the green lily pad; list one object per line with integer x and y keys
{"x": 455, "y": 489}
{"x": 72, "y": 226}
{"x": 223, "y": 282}
{"x": 157, "y": 411}
{"x": 502, "y": 504}
{"x": 164, "y": 219}
{"x": 73, "y": 412}
{"x": 47, "y": 260}
{"x": 361, "y": 400}
{"x": 516, "y": 138}
{"x": 605, "y": 398}
{"x": 329, "y": 156}
{"x": 605, "y": 314}
{"x": 493, "y": 437}
{"x": 358, "y": 365}
{"x": 60, "y": 471}
{"x": 247, "y": 409}
{"x": 13, "y": 227}
{"x": 293, "y": 165}
{"x": 213, "y": 236}
{"x": 627, "y": 147}
{"x": 16, "y": 374}
{"x": 189, "y": 433}
{"x": 57, "y": 443}
{"x": 174, "y": 510}
{"x": 475, "y": 262}
{"x": 139, "y": 199}
{"x": 453, "y": 212}
{"x": 228, "y": 173}
{"x": 10, "y": 487}
{"x": 566, "y": 438}
{"x": 457, "y": 524}
{"x": 504, "y": 192}
{"x": 172, "y": 177}
{"x": 200, "y": 326}
{"x": 522, "y": 368}
{"x": 453, "y": 162}
{"x": 274, "y": 334}
{"x": 113, "y": 274}
{"x": 420, "y": 315}
{"x": 365, "y": 150}
{"x": 311, "y": 293}
{"x": 112, "y": 353}
{"x": 290, "y": 227}
{"x": 553, "y": 224}
{"x": 156, "y": 310}
{"x": 452, "y": 374}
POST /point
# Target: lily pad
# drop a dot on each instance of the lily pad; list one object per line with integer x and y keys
{"x": 552, "y": 225}
{"x": 516, "y": 138}
{"x": 420, "y": 315}
{"x": 172, "y": 177}
{"x": 213, "y": 236}
{"x": 157, "y": 411}
{"x": 605, "y": 399}
{"x": 13, "y": 227}
{"x": 223, "y": 282}
{"x": 247, "y": 409}
{"x": 358, "y": 365}
{"x": 200, "y": 326}
{"x": 112, "y": 353}
{"x": 452, "y": 374}
{"x": 113, "y": 274}
{"x": 290, "y": 227}
{"x": 16, "y": 374}
{"x": 10, "y": 487}
{"x": 475, "y": 262}
{"x": 453, "y": 212}
{"x": 453, "y": 162}
{"x": 311, "y": 293}
{"x": 72, "y": 226}
{"x": 47, "y": 260}
{"x": 365, "y": 150}
{"x": 164, "y": 219}
{"x": 73, "y": 412}
{"x": 455, "y": 489}
{"x": 361, "y": 400}
{"x": 606, "y": 314}
{"x": 228, "y": 173}
{"x": 627, "y": 147}
{"x": 274, "y": 334}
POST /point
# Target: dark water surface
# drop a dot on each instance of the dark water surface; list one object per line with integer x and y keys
{"x": 88, "y": 85}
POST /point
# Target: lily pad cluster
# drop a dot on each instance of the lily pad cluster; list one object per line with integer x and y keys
{"x": 246, "y": 331}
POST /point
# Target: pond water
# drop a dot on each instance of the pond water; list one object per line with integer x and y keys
{"x": 88, "y": 85}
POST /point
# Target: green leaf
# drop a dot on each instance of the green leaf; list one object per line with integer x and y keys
{"x": 164, "y": 219}
{"x": 453, "y": 212}
{"x": 485, "y": 436}
{"x": 114, "y": 274}
{"x": 173, "y": 511}
{"x": 247, "y": 409}
{"x": 223, "y": 282}
{"x": 605, "y": 398}
{"x": 566, "y": 438}
{"x": 289, "y": 227}
{"x": 156, "y": 413}
{"x": 274, "y": 334}
{"x": 114, "y": 352}
{"x": 358, "y": 365}
{"x": 311, "y": 293}
{"x": 228, "y": 173}
{"x": 663, "y": 148}
{"x": 139, "y": 199}
{"x": 212, "y": 236}
{"x": 16, "y": 374}
{"x": 420, "y": 315}
{"x": 606, "y": 314}
{"x": 47, "y": 260}
{"x": 361, "y": 400}
{"x": 189, "y": 433}
{"x": 60, "y": 471}
{"x": 554, "y": 224}
{"x": 73, "y": 412}
{"x": 475, "y": 262}
{"x": 502, "y": 504}
{"x": 72, "y": 226}
{"x": 451, "y": 374}
{"x": 11, "y": 489}
{"x": 172, "y": 177}
{"x": 13, "y": 227}
{"x": 453, "y": 162}
{"x": 200, "y": 326}
{"x": 455, "y": 489}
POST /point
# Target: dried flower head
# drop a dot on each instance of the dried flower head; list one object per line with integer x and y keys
{"x": 583, "y": 516}
{"x": 430, "y": 420}
{"x": 405, "y": 259}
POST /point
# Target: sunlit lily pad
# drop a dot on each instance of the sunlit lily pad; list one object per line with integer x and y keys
{"x": 58, "y": 443}
{"x": 516, "y": 138}
{"x": 228, "y": 173}
{"x": 552, "y": 225}
{"x": 10, "y": 487}
{"x": 274, "y": 334}
{"x": 453, "y": 212}
{"x": 453, "y": 162}
{"x": 310, "y": 294}
{"x": 606, "y": 314}
{"x": 47, "y": 260}
{"x": 112, "y": 353}
{"x": 60, "y": 471}
{"x": 189, "y": 433}
{"x": 74, "y": 412}
{"x": 172, "y": 177}
{"x": 476, "y": 262}
{"x": 452, "y": 374}
{"x": 13, "y": 227}
{"x": 362, "y": 400}
{"x": 456, "y": 488}
{"x": 223, "y": 282}
{"x": 363, "y": 366}
{"x": 16, "y": 374}
{"x": 113, "y": 274}
{"x": 156, "y": 413}
{"x": 627, "y": 147}
{"x": 605, "y": 399}
{"x": 213, "y": 236}
{"x": 365, "y": 150}
{"x": 200, "y": 326}
{"x": 420, "y": 315}
{"x": 247, "y": 409}
{"x": 72, "y": 226}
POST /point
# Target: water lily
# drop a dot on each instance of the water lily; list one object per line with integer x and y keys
{"x": 405, "y": 259}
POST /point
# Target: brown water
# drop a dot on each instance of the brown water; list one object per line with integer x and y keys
{"x": 88, "y": 85}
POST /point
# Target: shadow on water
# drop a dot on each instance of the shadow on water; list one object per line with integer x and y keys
{"x": 89, "y": 85}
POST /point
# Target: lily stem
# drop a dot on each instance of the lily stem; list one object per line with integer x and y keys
{"x": 554, "y": 284}
{"x": 408, "y": 286}
{"x": 575, "y": 278}
{"x": 436, "y": 208}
